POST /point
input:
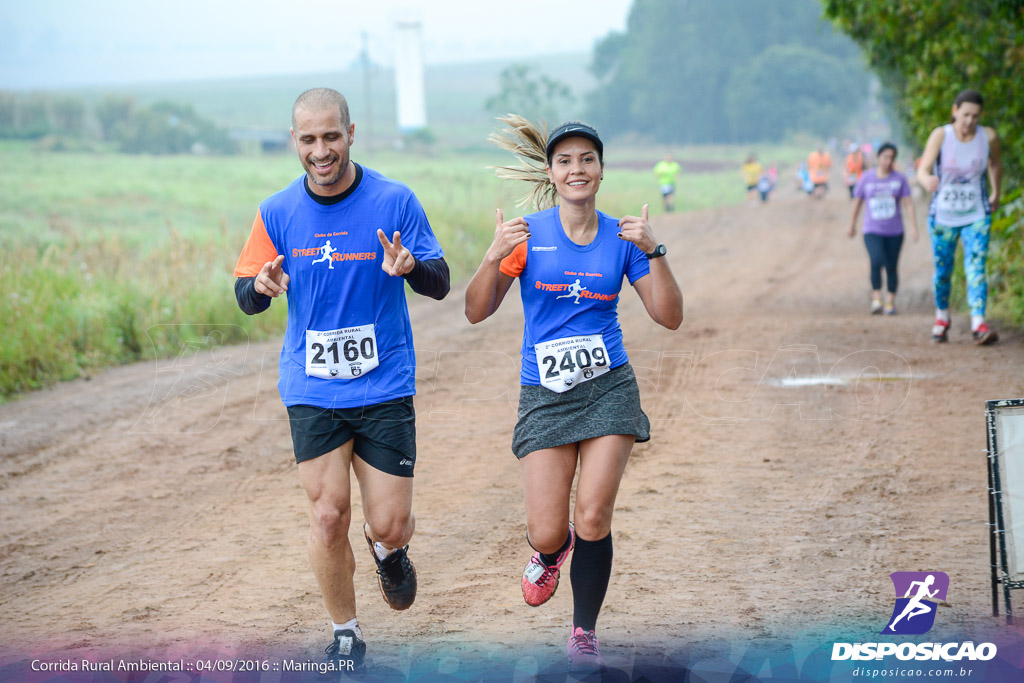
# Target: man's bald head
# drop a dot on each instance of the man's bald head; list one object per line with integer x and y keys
{"x": 319, "y": 99}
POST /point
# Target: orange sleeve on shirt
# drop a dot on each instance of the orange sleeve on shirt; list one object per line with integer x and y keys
{"x": 257, "y": 251}
{"x": 513, "y": 264}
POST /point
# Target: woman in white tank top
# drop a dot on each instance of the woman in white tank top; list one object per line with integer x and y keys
{"x": 961, "y": 165}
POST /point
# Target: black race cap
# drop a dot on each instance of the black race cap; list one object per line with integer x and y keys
{"x": 574, "y": 129}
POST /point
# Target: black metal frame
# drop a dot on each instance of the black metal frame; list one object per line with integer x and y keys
{"x": 997, "y": 537}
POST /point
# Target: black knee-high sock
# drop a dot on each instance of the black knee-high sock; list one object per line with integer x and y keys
{"x": 551, "y": 558}
{"x": 590, "y": 572}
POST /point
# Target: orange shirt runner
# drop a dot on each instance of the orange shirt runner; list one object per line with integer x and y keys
{"x": 818, "y": 166}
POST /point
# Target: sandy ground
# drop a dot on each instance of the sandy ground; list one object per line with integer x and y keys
{"x": 155, "y": 509}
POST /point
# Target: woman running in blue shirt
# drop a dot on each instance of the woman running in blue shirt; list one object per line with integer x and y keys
{"x": 579, "y": 406}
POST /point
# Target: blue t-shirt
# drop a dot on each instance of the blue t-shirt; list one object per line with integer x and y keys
{"x": 333, "y": 256}
{"x": 570, "y": 290}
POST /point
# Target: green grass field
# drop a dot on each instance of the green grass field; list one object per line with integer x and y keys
{"x": 113, "y": 258}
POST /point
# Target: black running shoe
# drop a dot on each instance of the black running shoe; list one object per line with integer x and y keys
{"x": 396, "y": 577}
{"x": 346, "y": 653}
{"x": 984, "y": 335}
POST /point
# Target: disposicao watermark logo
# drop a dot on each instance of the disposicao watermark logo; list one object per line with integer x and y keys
{"x": 917, "y": 597}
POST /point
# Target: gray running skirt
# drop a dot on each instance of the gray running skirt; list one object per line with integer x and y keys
{"x": 609, "y": 404}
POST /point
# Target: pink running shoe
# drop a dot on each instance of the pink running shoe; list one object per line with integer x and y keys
{"x": 984, "y": 335}
{"x": 583, "y": 652}
{"x": 540, "y": 580}
{"x": 940, "y": 331}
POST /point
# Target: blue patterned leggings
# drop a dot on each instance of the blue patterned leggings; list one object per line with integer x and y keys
{"x": 944, "y": 239}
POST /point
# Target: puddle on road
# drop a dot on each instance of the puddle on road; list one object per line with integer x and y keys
{"x": 841, "y": 381}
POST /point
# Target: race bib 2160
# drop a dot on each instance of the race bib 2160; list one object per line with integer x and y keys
{"x": 341, "y": 354}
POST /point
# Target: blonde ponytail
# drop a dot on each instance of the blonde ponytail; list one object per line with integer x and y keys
{"x": 528, "y": 141}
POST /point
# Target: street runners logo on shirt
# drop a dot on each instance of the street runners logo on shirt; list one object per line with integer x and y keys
{"x": 328, "y": 254}
{"x": 576, "y": 291}
{"x": 917, "y": 597}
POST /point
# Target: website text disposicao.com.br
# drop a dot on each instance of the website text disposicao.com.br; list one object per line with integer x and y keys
{"x": 901, "y": 673}
{"x": 955, "y": 658}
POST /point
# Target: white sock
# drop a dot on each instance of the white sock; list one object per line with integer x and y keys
{"x": 381, "y": 550}
{"x": 976, "y": 321}
{"x": 942, "y": 315}
{"x": 351, "y": 625}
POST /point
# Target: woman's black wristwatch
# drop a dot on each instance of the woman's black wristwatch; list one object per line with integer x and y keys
{"x": 659, "y": 251}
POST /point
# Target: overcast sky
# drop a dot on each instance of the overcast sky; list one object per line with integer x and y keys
{"x": 61, "y": 43}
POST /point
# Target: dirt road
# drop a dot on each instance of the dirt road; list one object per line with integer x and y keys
{"x": 802, "y": 451}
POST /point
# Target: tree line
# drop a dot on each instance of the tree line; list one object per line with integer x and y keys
{"x": 700, "y": 71}
{"x": 926, "y": 52}
{"x": 158, "y": 128}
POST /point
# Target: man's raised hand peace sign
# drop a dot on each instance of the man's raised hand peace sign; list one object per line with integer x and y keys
{"x": 397, "y": 259}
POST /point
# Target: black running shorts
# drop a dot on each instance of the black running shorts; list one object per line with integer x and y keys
{"x": 384, "y": 433}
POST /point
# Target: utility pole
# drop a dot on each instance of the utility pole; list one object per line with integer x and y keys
{"x": 368, "y": 118}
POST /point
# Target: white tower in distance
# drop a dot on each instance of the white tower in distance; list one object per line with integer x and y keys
{"x": 411, "y": 105}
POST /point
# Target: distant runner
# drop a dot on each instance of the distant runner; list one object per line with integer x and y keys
{"x": 854, "y": 166}
{"x": 884, "y": 189}
{"x": 766, "y": 183}
{"x": 819, "y": 165}
{"x": 666, "y": 171}
{"x": 751, "y": 172}
{"x": 803, "y": 178}
{"x": 953, "y": 166}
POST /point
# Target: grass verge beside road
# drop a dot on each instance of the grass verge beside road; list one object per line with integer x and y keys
{"x": 113, "y": 258}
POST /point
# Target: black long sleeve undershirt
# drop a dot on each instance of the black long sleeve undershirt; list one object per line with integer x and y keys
{"x": 430, "y": 278}
{"x": 427, "y": 278}
{"x": 249, "y": 300}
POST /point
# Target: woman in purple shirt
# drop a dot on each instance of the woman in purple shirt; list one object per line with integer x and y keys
{"x": 883, "y": 189}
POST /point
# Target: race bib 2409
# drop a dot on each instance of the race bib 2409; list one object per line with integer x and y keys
{"x": 565, "y": 363}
